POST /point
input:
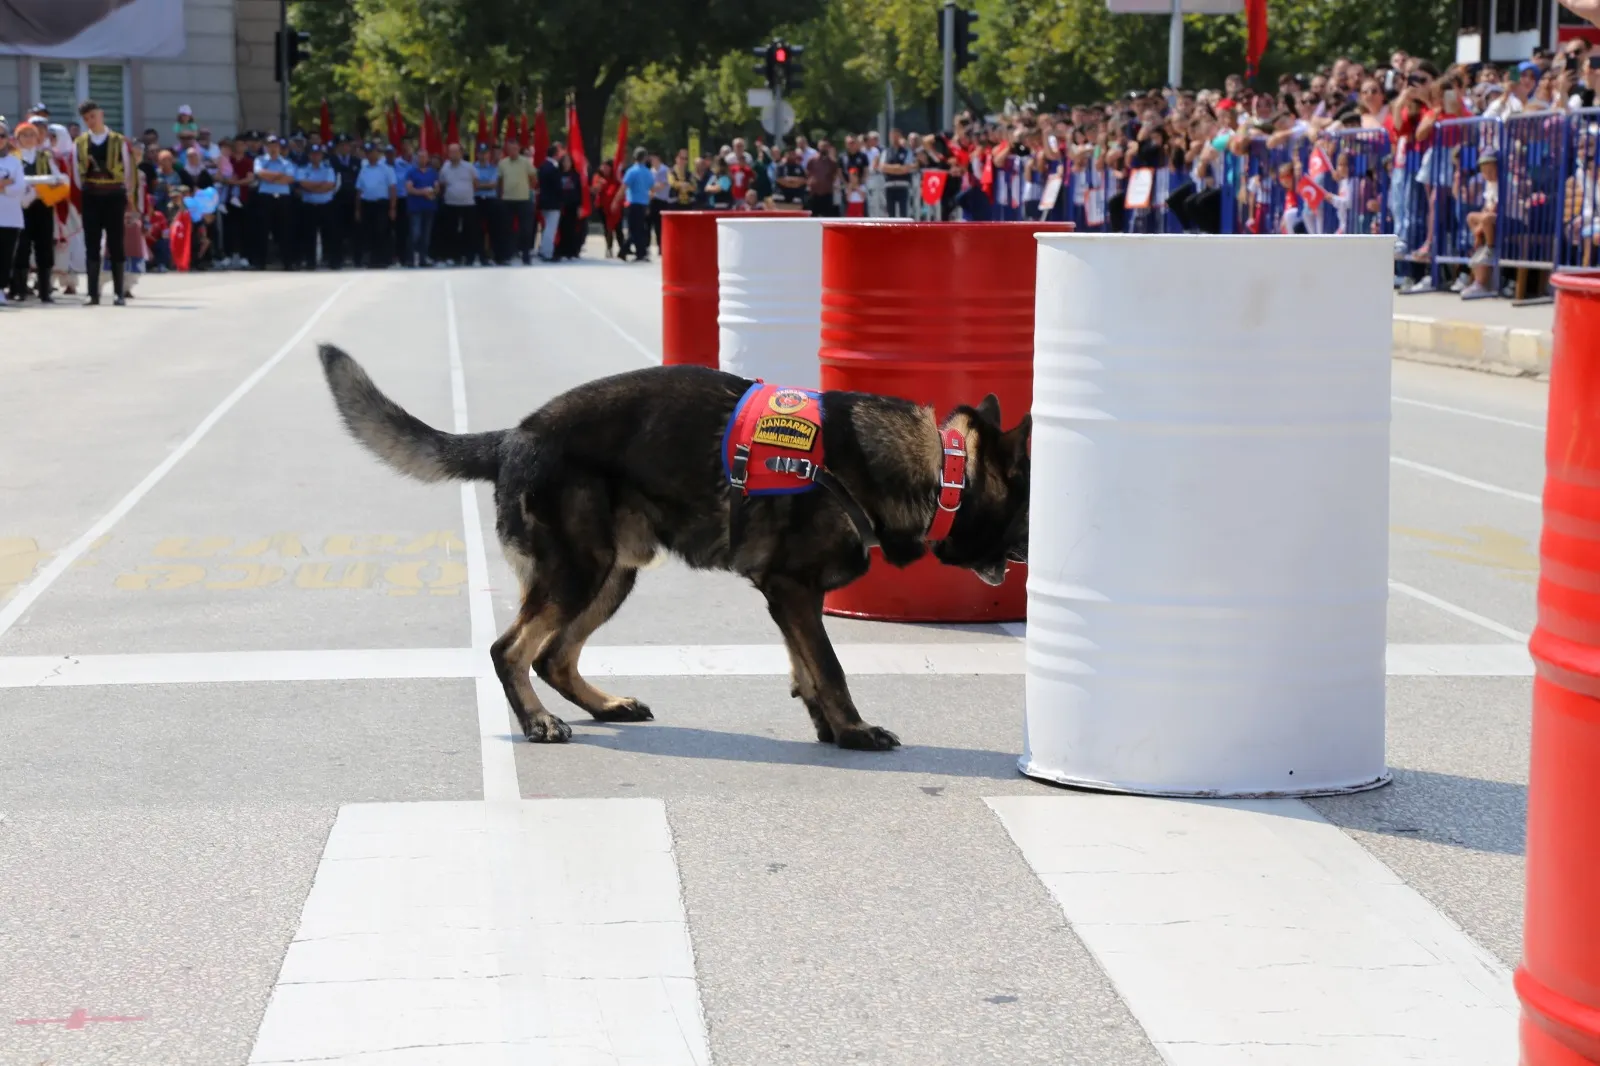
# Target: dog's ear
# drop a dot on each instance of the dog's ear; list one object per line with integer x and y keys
{"x": 1014, "y": 442}
{"x": 989, "y": 410}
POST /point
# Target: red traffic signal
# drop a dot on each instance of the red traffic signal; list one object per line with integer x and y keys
{"x": 781, "y": 55}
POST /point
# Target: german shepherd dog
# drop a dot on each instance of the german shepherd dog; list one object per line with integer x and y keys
{"x": 597, "y": 483}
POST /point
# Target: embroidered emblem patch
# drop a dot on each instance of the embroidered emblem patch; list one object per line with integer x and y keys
{"x": 784, "y": 431}
{"x": 788, "y": 401}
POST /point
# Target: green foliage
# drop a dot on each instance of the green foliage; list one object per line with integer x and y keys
{"x": 682, "y": 64}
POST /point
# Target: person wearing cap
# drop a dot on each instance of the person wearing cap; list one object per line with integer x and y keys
{"x": 1518, "y": 88}
{"x": 105, "y": 176}
{"x": 275, "y": 176}
{"x": 208, "y": 148}
{"x": 487, "y": 242}
{"x": 38, "y": 217}
{"x": 346, "y": 164}
{"x": 318, "y": 182}
{"x": 185, "y": 123}
{"x": 377, "y": 195}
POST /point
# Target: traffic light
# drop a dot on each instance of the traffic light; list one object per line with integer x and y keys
{"x": 788, "y": 60}
{"x": 299, "y": 49}
{"x": 966, "y": 36}
{"x": 766, "y": 63}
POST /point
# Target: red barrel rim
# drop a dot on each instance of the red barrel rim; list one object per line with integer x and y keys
{"x": 1587, "y": 284}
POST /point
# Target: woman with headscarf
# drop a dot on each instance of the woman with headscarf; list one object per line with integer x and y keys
{"x": 36, "y": 246}
{"x": 69, "y": 249}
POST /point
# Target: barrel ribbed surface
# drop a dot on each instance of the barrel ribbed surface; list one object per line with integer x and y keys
{"x": 1559, "y": 980}
{"x": 769, "y": 310}
{"x": 1209, "y": 524}
{"x": 941, "y": 315}
{"x": 689, "y": 287}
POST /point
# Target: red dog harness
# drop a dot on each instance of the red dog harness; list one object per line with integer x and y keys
{"x": 772, "y": 446}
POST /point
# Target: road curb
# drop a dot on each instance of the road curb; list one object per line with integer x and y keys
{"x": 1475, "y": 345}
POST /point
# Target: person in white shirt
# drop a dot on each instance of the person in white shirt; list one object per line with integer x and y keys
{"x": 457, "y": 205}
{"x": 12, "y": 186}
{"x": 38, "y": 217}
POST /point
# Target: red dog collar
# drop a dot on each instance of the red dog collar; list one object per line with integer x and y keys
{"x": 952, "y": 481}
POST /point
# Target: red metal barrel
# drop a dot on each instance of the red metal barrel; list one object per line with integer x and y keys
{"x": 1559, "y": 979}
{"x": 689, "y": 284}
{"x": 940, "y": 315}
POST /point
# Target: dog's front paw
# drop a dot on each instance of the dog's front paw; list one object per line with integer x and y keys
{"x": 868, "y": 738}
{"x": 626, "y": 710}
{"x": 549, "y": 730}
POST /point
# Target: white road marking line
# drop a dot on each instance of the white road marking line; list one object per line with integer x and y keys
{"x": 637, "y": 344}
{"x": 1460, "y": 479}
{"x": 1460, "y": 612}
{"x": 494, "y": 739}
{"x": 404, "y": 944}
{"x": 1466, "y": 413}
{"x": 62, "y": 560}
{"x": 649, "y": 660}
{"x": 1256, "y": 932}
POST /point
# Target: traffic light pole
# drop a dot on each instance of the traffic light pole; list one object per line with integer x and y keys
{"x": 949, "y": 64}
{"x": 283, "y": 67}
{"x": 1175, "y": 46}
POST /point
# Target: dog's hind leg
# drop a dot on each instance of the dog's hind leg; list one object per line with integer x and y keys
{"x": 817, "y": 674}
{"x": 514, "y": 654}
{"x": 558, "y": 666}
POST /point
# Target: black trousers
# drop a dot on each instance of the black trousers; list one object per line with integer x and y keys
{"x": 488, "y": 242}
{"x": 656, "y": 207}
{"x": 38, "y": 236}
{"x": 316, "y": 220}
{"x": 344, "y": 231}
{"x": 822, "y": 206}
{"x": 897, "y": 199}
{"x": 280, "y": 229}
{"x": 638, "y": 231}
{"x": 377, "y": 242}
{"x": 522, "y": 212}
{"x": 455, "y": 240}
{"x": 8, "y": 242}
{"x": 102, "y": 217}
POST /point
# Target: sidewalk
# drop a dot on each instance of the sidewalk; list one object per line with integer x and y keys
{"x": 1484, "y": 334}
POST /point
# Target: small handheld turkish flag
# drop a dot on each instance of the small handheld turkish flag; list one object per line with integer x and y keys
{"x": 1310, "y": 193}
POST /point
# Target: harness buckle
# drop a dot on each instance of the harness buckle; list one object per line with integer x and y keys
{"x": 738, "y": 470}
{"x": 804, "y": 469}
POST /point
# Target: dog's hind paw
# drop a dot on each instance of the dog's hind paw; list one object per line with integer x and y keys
{"x": 549, "y": 730}
{"x": 627, "y": 710}
{"x": 868, "y": 738}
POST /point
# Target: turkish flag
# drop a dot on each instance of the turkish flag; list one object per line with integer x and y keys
{"x": 483, "y": 133}
{"x": 397, "y": 122}
{"x": 1310, "y": 193}
{"x": 622, "y": 146}
{"x": 1318, "y": 164}
{"x": 541, "y": 135}
{"x": 325, "y": 121}
{"x": 580, "y": 160}
{"x": 933, "y": 186}
{"x": 432, "y": 139}
{"x": 178, "y": 241}
{"x": 452, "y": 129}
{"x": 1255, "y": 13}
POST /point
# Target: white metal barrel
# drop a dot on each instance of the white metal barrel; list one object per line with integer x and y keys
{"x": 769, "y": 304}
{"x": 1208, "y": 556}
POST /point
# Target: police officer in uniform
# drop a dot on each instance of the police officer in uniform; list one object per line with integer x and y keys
{"x": 376, "y": 196}
{"x": 346, "y": 164}
{"x": 276, "y": 176}
{"x": 318, "y": 182}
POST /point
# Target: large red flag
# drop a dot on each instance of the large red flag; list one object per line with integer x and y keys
{"x": 483, "y": 133}
{"x": 541, "y": 135}
{"x": 1255, "y": 13}
{"x": 432, "y": 139}
{"x": 580, "y": 160}
{"x": 452, "y": 130}
{"x": 325, "y": 123}
{"x": 621, "y": 160}
{"x": 397, "y": 123}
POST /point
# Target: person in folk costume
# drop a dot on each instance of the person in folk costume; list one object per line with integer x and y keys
{"x": 104, "y": 169}
{"x": 37, "y": 246}
{"x": 70, "y": 257}
{"x": 133, "y": 226}
{"x": 605, "y": 192}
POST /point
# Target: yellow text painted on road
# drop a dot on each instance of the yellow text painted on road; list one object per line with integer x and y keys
{"x": 1510, "y": 555}
{"x": 396, "y": 564}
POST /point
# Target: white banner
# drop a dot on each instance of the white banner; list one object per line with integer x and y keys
{"x": 92, "y": 29}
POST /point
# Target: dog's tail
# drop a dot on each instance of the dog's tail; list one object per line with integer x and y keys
{"x": 400, "y": 439}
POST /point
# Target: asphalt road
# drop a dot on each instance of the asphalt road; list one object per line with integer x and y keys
{"x": 182, "y": 520}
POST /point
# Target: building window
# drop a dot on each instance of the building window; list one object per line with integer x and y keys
{"x": 64, "y": 84}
